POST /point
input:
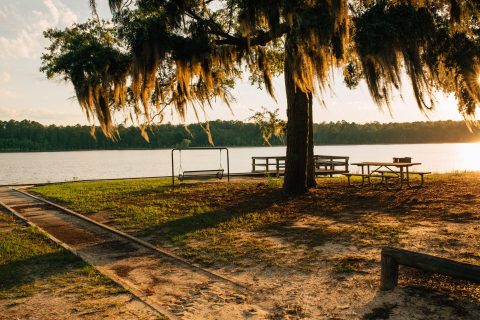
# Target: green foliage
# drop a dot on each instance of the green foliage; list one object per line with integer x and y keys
{"x": 32, "y": 136}
{"x": 89, "y": 56}
{"x": 185, "y": 53}
{"x": 270, "y": 124}
{"x": 436, "y": 52}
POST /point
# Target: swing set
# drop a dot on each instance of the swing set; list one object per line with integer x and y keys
{"x": 199, "y": 174}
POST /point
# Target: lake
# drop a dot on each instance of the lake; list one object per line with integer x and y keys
{"x": 40, "y": 167}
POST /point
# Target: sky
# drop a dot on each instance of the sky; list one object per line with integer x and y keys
{"x": 26, "y": 93}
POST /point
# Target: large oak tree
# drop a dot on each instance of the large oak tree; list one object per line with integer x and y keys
{"x": 160, "y": 53}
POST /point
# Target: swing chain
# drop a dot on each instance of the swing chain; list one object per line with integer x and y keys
{"x": 180, "y": 169}
{"x": 221, "y": 167}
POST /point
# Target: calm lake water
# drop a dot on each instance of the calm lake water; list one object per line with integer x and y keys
{"x": 39, "y": 167}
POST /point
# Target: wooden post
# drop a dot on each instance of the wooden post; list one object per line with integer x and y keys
{"x": 389, "y": 278}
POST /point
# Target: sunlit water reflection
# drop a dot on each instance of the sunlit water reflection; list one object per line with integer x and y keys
{"x": 40, "y": 167}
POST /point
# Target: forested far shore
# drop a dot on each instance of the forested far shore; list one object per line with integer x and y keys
{"x": 17, "y": 136}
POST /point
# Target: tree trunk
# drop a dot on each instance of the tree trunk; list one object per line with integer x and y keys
{"x": 311, "y": 182}
{"x": 298, "y": 125}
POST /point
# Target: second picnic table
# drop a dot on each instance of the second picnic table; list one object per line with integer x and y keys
{"x": 386, "y": 171}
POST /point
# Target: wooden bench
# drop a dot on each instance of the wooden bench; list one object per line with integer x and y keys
{"x": 326, "y": 165}
{"x": 265, "y": 163}
{"x": 392, "y": 258}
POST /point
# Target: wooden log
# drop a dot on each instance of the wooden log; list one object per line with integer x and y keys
{"x": 423, "y": 262}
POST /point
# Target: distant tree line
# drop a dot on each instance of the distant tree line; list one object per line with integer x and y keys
{"x": 32, "y": 136}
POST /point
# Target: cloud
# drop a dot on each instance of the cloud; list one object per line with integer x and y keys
{"x": 6, "y": 11}
{"x": 28, "y": 41}
{"x": 61, "y": 14}
{"x": 5, "y": 77}
{"x": 7, "y": 94}
{"x": 42, "y": 115}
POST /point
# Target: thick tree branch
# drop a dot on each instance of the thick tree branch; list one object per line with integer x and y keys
{"x": 261, "y": 39}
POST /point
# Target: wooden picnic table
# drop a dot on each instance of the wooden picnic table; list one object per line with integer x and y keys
{"x": 387, "y": 171}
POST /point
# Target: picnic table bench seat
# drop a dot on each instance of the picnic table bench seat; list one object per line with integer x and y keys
{"x": 329, "y": 163}
{"x": 410, "y": 172}
{"x": 394, "y": 174}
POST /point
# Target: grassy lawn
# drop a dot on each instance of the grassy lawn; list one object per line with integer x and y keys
{"x": 201, "y": 219}
{"x": 33, "y": 267}
{"x": 30, "y": 261}
{"x": 252, "y": 219}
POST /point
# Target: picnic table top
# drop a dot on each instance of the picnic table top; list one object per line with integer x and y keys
{"x": 387, "y": 164}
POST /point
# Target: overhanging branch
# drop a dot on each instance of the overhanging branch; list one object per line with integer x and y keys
{"x": 261, "y": 39}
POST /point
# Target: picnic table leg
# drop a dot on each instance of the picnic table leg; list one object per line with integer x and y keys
{"x": 419, "y": 184}
{"x": 253, "y": 164}
{"x": 401, "y": 177}
{"x": 266, "y": 167}
{"x": 368, "y": 172}
{"x": 363, "y": 177}
{"x": 408, "y": 176}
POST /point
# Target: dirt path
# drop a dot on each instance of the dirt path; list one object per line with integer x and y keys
{"x": 175, "y": 289}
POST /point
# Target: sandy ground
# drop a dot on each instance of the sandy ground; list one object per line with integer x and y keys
{"x": 301, "y": 275}
{"x": 58, "y": 305}
{"x": 441, "y": 219}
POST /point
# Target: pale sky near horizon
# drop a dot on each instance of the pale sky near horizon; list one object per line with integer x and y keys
{"x": 25, "y": 93}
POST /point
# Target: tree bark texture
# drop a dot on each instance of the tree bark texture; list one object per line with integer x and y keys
{"x": 299, "y": 167}
{"x": 311, "y": 182}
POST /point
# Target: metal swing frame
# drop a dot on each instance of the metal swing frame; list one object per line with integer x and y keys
{"x": 198, "y": 172}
